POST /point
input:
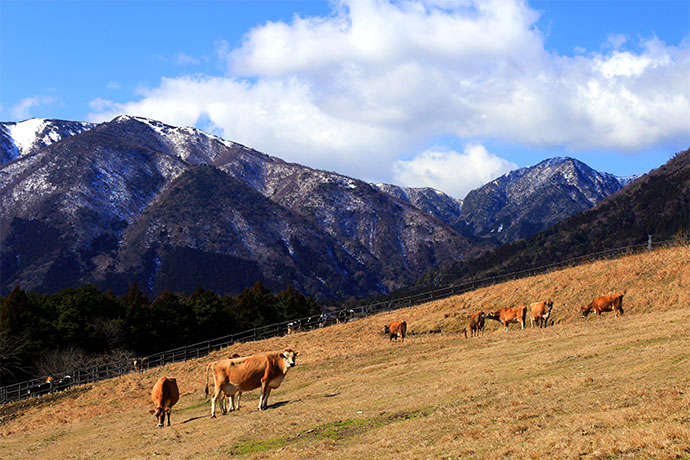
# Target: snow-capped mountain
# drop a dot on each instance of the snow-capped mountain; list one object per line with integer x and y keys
{"x": 26, "y": 137}
{"x": 528, "y": 200}
{"x": 432, "y": 201}
{"x": 174, "y": 208}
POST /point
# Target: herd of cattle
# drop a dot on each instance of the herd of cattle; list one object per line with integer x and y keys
{"x": 234, "y": 375}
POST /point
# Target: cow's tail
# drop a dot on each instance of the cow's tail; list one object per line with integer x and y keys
{"x": 208, "y": 368}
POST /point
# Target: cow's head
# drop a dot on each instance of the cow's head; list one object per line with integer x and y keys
{"x": 386, "y": 330}
{"x": 159, "y": 413}
{"x": 289, "y": 356}
{"x": 492, "y": 315}
{"x": 586, "y": 310}
{"x": 549, "y": 305}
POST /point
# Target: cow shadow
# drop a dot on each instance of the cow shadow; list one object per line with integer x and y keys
{"x": 192, "y": 419}
{"x": 278, "y": 404}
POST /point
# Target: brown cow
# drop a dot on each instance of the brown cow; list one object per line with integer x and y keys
{"x": 396, "y": 329}
{"x": 509, "y": 315}
{"x": 604, "y": 303}
{"x": 141, "y": 364}
{"x": 164, "y": 395}
{"x": 475, "y": 324}
{"x": 233, "y": 376}
{"x": 540, "y": 312}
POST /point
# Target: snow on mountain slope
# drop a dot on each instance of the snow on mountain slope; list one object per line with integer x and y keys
{"x": 26, "y": 137}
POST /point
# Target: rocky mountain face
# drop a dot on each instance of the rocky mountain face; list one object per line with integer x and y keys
{"x": 526, "y": 201}
{"x": 436, "y": 203}
{"x": 175, "y": 208}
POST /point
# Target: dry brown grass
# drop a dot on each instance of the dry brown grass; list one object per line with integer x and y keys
{"x": 608, "y": 389}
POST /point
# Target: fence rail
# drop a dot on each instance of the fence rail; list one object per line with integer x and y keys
{"x": 118, "y": 368}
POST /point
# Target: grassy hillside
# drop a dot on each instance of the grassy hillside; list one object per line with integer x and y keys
{"x": 607, "y": 389}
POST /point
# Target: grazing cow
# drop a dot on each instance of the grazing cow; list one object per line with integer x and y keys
{"x": 475, "y": 323}
{"x": 509, "y": 315}
{"x": 141, "y": 364}
{"x": 164, "y": 395}
{"x": 233, "y": 376}
{"x": 395, "y": 330}
{"x": 604, "y": 303}
{"x": 540, "y": 312}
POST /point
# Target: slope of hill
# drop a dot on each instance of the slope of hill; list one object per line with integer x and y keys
{"x": 656, "y": 204}
{"x": 581, "y": 388}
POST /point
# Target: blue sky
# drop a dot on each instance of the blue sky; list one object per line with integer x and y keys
{"x": 441, "y": 93}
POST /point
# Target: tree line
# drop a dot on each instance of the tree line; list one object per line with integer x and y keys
{"x": 40, "y": 333}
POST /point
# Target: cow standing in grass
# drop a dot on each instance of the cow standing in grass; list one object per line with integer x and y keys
{"x": 475, "y": 324}
{"x": 164, "y": 395}
{"x": 397, "y": 329}
{"x": 234, "y": 376}
{"x": 604, "y": 303}
{"x": 540, "y": 312}
{"x": 509, "y": 315}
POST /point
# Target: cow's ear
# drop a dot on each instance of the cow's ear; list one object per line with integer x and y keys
{"x": 152, "y": 411}
{"x": 296, "y": 354}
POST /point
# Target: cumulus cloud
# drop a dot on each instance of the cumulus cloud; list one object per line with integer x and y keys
{"x": 22, "y": 110}
{"x": 454, "y": 173}
{"x": 375, "y": 80}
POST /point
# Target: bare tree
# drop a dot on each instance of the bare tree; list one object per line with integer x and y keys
{"x": 12, "y": 348}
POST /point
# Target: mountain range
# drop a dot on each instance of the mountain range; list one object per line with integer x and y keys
{"x": 655, "y": 205}
{"x": 136, "y": 200}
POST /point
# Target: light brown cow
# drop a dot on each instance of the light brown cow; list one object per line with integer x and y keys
{"x": 509, "y": 315}
{"x": 540, "y": 312}
{"x": 396, "y": 329}
{"x": 164, "y": 395}
{"x": 233, "y": 376}
{"x": 475, "y": 324}
{"x": 604, "y": 303}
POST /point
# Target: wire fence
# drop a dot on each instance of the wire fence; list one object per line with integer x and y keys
{"x": 87, "y": 375}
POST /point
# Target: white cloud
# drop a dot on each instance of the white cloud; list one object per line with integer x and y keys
{"x": 454, "y": 173}
{"x": 355, "y": 90}
{"x": 22, "y": 110}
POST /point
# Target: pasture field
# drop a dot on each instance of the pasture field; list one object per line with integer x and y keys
{"x": 616, "y": 388}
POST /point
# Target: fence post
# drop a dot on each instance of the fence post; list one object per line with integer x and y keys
{"x": 649, "y": 242}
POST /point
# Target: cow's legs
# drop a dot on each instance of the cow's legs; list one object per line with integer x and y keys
{"x": 236, "y": 399}
{"x": 216, "y": 394}
{"x": 265, "y": 392}
{"x": 167, "y": 411}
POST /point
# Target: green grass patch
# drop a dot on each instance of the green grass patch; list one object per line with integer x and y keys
{"x": 337, "y": 431}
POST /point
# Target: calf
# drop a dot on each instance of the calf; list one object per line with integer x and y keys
{"x": 604, "y": 303}
{"x": 397, "y": 329}
{"x": 509, "y": 315}
{"x": 540, "y": 312}
{"x": 233, "y": 376}
{"x": 164, "y": 395}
